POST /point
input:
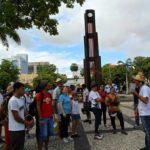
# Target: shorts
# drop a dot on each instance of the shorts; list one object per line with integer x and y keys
{"x": 7, "y": 141}
{"x": 17, "y": 139}
{"x": 46, "y": 128}
{"x": 76, "y": 117}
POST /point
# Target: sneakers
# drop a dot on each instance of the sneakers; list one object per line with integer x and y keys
{"x": 86, "y": 120}
{"x": 124, "y": 132}
{"x": 144, "y": 148}
{"x": 98, "y": 137}
{"x": 65, "y": 140}
{"x": 70, "y": 139}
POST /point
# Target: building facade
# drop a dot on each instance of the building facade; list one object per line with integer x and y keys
{"x": 21, "y": 62}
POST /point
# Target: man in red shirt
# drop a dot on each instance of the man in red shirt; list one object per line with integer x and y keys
{"x": 45, "y": 114}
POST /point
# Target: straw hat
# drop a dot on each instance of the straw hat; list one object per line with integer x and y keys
{"x": 58, "y": 80}
{"x": 10, "y": 89}
{"x": 139, "y": 77}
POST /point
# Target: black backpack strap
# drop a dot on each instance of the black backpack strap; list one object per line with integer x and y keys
{"x": 42, "y": 98}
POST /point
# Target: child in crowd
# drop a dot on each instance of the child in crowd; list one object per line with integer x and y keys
{"x": 75, "y": 115}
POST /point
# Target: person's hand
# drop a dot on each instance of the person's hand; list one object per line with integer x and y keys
{"x": 29, "y": 123}
{"x": 134, "y": 93}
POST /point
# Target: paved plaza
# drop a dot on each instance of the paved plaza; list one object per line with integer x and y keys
{"x": 133, "y": 141}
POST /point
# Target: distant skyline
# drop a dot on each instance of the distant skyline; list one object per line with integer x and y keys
{"x": 122, "y": 26}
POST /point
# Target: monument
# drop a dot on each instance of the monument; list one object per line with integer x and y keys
{"x": 92, "y": 61}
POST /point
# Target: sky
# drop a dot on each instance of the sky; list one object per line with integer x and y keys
{"x": 122, "y": 26}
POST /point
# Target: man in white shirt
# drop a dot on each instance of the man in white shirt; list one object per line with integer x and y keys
{"x": 56, "y": 93}
{"x": 86, "y": 103}
{"x": 96, "y": 100}
{"x": 17, "y": 122}
{"x": 143, "y": 106}
{"x": 110, "y": 85}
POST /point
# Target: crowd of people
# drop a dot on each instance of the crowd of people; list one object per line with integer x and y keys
{"x": 22, "y": 108}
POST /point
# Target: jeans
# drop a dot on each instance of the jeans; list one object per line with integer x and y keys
{"x": 64, "y": 125}
{"x": 146, "y": 124}
{"x": 104, "y": 108}
{"x": 46, "y": 127}
{"x": 121, "y": 120}
{"x": 97, "y": 113}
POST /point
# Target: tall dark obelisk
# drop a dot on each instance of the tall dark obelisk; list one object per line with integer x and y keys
{"x": 92, "y": 61}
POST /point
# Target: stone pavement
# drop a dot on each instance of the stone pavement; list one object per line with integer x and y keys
{"x": 133, "y": 141}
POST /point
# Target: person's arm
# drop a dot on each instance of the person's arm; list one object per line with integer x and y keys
{"x": 38, "y": 102}
{"x": 61, "y": 108}
{"x": 19, "y": 119}
{"x": 39, "y": 109}
{"x": 144, "y": 99}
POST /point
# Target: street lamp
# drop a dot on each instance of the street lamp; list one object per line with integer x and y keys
{"x": 128, "y": 64}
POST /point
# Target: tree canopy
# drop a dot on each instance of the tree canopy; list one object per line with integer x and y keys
{"x": 48, "y": 72}
{"x": 24, "y": 14}
{"x": 8, "y": 73}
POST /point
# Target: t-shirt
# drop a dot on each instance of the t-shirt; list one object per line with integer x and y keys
{"x": 85, "y": 94}
{"x": 56, "y": 93}
{"x": 92, "y": 98}
{"x": 144, "y": 109}
{"x": 46, "y": 105}
{"x": 75, "y": 107}
{"x": 65, "y": 99}
{"x": 108, "y": 87}
{"x": 16, "y": 104}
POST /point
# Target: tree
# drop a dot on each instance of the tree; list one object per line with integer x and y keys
{"x": 142, "y": 64}
{"x": 8, "y": 73}
{"x": 82, "y": 72}
{"x": 128, "y": 65}
{"x": 48, "y": 72}
{"x": 74, "y": 68}
{"x": 24, "y": 14}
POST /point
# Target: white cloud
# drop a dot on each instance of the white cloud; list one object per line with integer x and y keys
{"x": 121, "y": 25}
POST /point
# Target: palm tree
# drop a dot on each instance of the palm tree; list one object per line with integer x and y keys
{"x": 128, "y": 64}
{"x": 74, "y": 68}
{"x": 7, "y": 32}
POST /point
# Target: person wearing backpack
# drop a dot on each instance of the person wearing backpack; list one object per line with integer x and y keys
{"x": 4, "y": 115}
{"x": 45, "y": 114}
{"x": 16, "y": 119}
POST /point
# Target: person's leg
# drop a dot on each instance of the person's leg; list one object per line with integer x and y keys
{"x": 146, "y": 124}
{"x": 88, "y": 116}
{"x": 97, "y": 114}
{"x": 63, "y": 127}
{"x": 73, "y": 127}
{"x": 42, "y": 132}
{"x": 137, "y": 121}
{"x": 113, "y": 122}
{"x": 50, "y": 126}
{"x": 121, "y": 120}
{"x": 17, "y": 139}
{"x": 104, "y": 113}
{"x": 67, "y": 124}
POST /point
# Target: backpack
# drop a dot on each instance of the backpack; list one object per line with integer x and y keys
{"x": 33, "y": 106}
